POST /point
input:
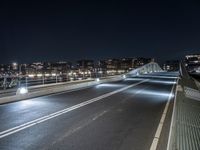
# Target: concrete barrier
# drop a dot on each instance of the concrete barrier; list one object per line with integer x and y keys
{"x": 56, "y": 89}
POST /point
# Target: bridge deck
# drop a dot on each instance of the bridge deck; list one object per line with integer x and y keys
{"x": 116, "y": 116}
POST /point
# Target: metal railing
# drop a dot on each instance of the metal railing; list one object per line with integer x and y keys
{"x": 9, "y": 82}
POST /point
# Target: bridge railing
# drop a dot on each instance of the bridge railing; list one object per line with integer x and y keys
{"x": 35, "y": 91}
{"x": 10, "y": 82}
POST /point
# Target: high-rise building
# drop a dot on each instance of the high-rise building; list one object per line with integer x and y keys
{"x": 192, "y": 63}
{"x": 85, "y": 64}
{"x": 127, "y": 64}
{"x": 59, "y": 67}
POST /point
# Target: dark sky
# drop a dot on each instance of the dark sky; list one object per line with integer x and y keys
{"x": 70, "y": 30}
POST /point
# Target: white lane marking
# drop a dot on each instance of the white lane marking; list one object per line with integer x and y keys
{"x": 99, "y": 115}
{"x": 161, "y": 123}
{"x": 58, "y": 113}
{"x": 178, "y": 88}
{"x": 78, "y": 127}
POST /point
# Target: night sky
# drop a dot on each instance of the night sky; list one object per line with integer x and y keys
{"x": 69, "y": 30}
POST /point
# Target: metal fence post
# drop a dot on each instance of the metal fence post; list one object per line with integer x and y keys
{"x": 43, "y": 78}
{"x": 26, "y": 82}
{"x": 4, "y": 83}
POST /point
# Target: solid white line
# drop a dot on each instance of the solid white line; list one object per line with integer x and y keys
{"x": 58, "y": 113}
{"x": 161, "y": 123}
{"x": 172, "y": 119}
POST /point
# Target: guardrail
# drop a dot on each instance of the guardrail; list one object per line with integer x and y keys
{"x": 45, "y": 90}
{"x": 29, "y": 82}
{"x": 7, "y": 82}
{"x": 11, "y": 92}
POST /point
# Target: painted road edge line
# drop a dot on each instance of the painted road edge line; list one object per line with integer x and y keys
{"x": 172, "y": 119}
{"x": 58, "y": 113}
{"x": 160, "y": 125}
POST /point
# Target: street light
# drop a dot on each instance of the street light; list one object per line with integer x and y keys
{"x": 14, "y": 64}
{"x": 124, "y": 76}
{"x": 22, "y": 91}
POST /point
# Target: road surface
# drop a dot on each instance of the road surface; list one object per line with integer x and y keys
{"x": 121, "y": 115}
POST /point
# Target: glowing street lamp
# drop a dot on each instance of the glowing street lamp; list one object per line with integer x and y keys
{"x": 53, "y": 74}
{"x": 47, "y": 75}
{"x": 124, "y": 76}
{"x": 31, "y": 75}
{"x": 39, "y": 75}
{"x": 22, "y": 91}
{"x": 14, "y": 64}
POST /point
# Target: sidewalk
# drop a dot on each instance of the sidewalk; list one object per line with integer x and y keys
{"x": 185, "y": 128}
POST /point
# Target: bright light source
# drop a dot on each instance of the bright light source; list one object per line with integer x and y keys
{"x": 39, "y": 75}
{"x": 23, "y": 90}
{"x": 155, "y": 93}
{"x": 53, "y": 74}
{"x": 14, "y": 64}
{"x": 47, "y": 75}
{"x": 124, "y": 76}
{"x": 109, "y": 85}
{"x": 31, "y": 75}
{"x": 97, "y": 79}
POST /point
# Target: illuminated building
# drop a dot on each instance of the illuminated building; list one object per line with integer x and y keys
{"x": 192, "y": 63}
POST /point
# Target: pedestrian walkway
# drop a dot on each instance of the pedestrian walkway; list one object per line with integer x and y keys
{"x": 185, "y": 129}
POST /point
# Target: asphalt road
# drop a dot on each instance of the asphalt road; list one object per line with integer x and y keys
{"x": 121, "y": 115}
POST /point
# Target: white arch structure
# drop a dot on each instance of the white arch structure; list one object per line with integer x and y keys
{"x": 146, "y": 69}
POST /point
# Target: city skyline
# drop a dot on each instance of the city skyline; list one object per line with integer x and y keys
{"x": 74, "y": 61}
